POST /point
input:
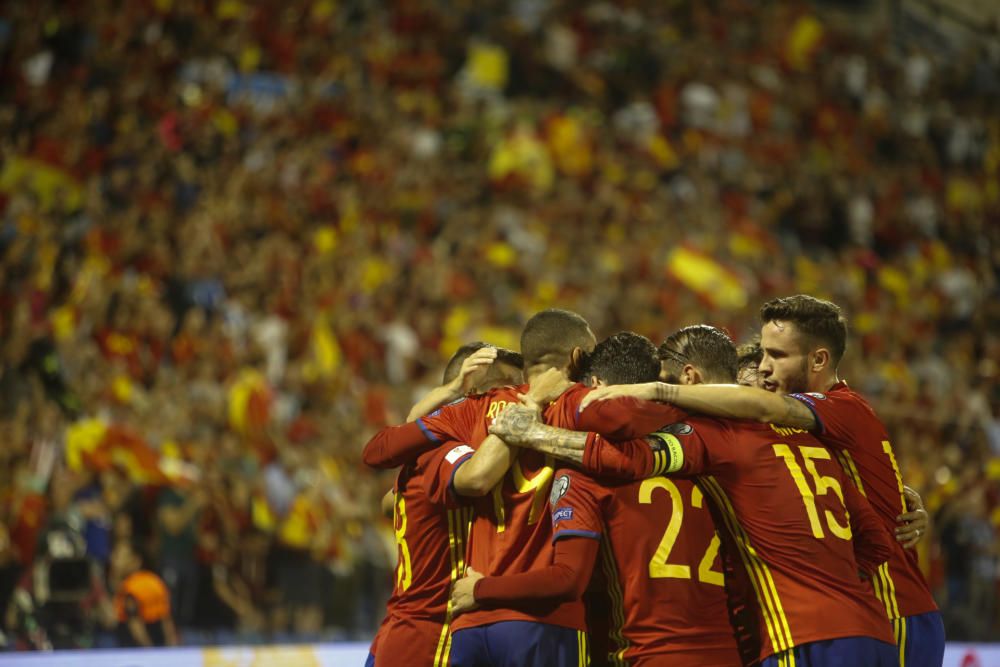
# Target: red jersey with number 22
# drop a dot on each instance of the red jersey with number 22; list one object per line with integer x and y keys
{"x": 659, "y": 551}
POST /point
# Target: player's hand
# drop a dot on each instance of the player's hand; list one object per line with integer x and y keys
{"x": 514, "y": 423}
{"x": 474, "y": 370}
{"x": 547, "y": 387}
{"x": 463, "y": 596}
{"x": 645, "y": 391}
{"x": 913, "y": 523}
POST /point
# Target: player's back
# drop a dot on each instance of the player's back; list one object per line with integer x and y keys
{"x": 781, "y": 498}
{"x": 851, "y": 429}
{"x": 661, "y": 553}
{"x": 511, "y": 532}
{"x": 430, "y": 531}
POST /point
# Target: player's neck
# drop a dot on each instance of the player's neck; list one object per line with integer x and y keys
{"x": 823, "y": 383}
{"x": 532, "y": 372}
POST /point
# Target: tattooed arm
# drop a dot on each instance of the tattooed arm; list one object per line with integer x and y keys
{"x": 519, "y": 425}
{"x": 627, "y": 460}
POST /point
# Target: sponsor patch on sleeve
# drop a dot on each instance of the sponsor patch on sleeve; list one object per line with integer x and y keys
{"x": 458, "y": 452}
{"x": 562, "y": 514}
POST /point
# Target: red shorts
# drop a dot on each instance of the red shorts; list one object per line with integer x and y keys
{"x": 406, "y": 641}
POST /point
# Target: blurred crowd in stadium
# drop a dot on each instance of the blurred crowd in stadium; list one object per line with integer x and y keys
{"x": 237, "y": 237}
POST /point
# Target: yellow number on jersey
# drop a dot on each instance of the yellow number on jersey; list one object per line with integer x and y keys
{"x": 539, "y": 485}
{"x": 659, "y": 568}
{"x": 823, "y": 484}
{"x": 705, "y": 571}
{"x": 404, "y": 572}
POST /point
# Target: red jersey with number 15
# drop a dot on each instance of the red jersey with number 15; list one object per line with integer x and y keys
{"x": 849, "y": 427}
{"x": 802, "y": 531}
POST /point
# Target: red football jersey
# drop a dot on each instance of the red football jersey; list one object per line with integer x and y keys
{"x": 511, "y": 532}
{"x": 849, "y": 427}
{"x": 660, "y": 556}
{"x": 790, "y": 513}
{"x": 431, "y": 529}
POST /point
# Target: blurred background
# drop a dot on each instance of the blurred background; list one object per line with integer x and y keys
{"x": 236, "y": 238}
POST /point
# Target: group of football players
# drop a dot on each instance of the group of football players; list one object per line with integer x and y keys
{"x": 692, "y": 505}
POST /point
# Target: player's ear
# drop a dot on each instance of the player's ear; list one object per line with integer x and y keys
{"x": 820, "y": 359}
{"x": 690, "y": 375}
{"x": 594, "y": 382}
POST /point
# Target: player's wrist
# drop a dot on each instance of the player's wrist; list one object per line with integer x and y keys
{"x": 663, "y": 392}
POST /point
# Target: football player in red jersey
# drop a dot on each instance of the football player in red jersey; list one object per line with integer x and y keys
{"x": 431, "y": 524}
{"x": 658, "y": 544}
{"x": 802, "y": 536}
{"x": 803, "y": 340}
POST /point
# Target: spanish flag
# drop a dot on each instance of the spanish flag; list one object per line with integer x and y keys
{"x": 711, "y": 280}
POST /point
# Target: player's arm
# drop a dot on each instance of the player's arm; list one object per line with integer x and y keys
{"x": 565, "y": 579}
{"x": 717, "y": 400}
{"x": 871, "y": 541}
{"x": 472, "y": 371}
{"x": 631, "y": 459}
{"x": 483, "y": 470}
{"x": 395, "y": 445}
{"x": 655, "y": 454}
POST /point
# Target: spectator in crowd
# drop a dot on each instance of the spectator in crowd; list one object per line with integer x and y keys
{"x": 142, "y": 601}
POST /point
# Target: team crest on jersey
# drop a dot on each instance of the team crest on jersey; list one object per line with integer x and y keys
{"x": 680, "y": 428}
{"x": 559, "y": 488}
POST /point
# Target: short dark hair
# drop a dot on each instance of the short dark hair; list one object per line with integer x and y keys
{"x": 820, "y": 322}
{"x": 551, "y": 335}
{"x": 749, "y": 354}
{"x": 708, "y": 349}
{"x": 461, "y": 354}
{"x": 625, "y": 358}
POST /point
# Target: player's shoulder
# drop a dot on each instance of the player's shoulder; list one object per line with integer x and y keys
{"x": 448, "y": 452}
{"x": 687, "y": 425}
{"x": 838, "y": 397}
{"x": 574, "y": 394}
{"x": 509, "y": 392}
{"x": 572, "y": 481}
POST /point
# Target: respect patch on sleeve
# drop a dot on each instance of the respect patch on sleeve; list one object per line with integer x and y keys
{"x": 562, "y": 514}
{"x": 458, "y": 452}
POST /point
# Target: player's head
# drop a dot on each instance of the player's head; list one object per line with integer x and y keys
{"x": 748, "y": 356}
{"x": 506, "y": 369}
{"x": 557, "y": 338}
{"x": 803, "y": 339}
{"x": 696, "y": 354}
{"x": 625, "y": 358}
